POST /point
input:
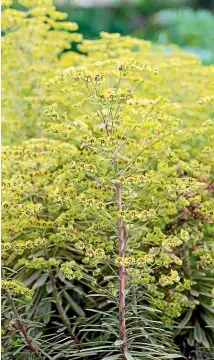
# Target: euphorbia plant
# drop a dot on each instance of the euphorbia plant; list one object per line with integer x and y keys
{"x": 186, "y": 82}
{"x": 147, "y": 237}
{"x": 96, "y": 193}
{"x": 114, "y": 220}
{"x": 114, "y": 204}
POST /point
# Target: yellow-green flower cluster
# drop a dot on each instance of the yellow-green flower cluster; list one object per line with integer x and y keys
{"x": 39, "y": 263}
{"x": 72, "y": 270}
{"x": 17, "y": 288}
{"x": 20, "y": 246}
{"x": 170, "y": 279}
{"x": 94, "y": 256}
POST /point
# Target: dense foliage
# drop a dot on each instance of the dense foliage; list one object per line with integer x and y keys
{"x": 31, "y": 44}
{"x": 107, "y": 194}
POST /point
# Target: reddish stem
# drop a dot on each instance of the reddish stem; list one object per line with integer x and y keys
{"x": 20, "y": 324}
{"x": 27, "y": 338}
{"x": 61, "y": 311}
{"x": 122, "y": 273}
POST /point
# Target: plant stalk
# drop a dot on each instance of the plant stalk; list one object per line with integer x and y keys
{"x": 20, "y": 324}
{"x": 61, "y": 311}
{"x": 187, "y": 265}
{"x": 122, "y": 274}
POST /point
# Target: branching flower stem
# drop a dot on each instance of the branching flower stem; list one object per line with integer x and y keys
{"x": 61, "y": 311}
{"x": 136, "y": 156}
{"x": 20, "y": 325}
{"x": 60, "y": 308}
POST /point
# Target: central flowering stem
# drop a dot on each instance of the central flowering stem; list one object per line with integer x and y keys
{"x": 122, "y": 272}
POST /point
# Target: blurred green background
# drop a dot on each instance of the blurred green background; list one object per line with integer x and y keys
{"x": 187, "y": 23}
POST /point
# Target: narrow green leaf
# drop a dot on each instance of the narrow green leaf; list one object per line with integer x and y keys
{"x": 194, "y": 292}
{"x": 41, "y": 281}
{"x": 125, "y": 291}
{"x": 79, "y": 311}
{"x": 19, "y": 349}
{"x": 172, "y": 356}
{"x": 197, "y": 332}
{"x": 112, "y": 357}
{"x": 109, "y": 277}
{"x": 118, "y": 342}
{"x": 209, "y": 295}
{"x": 33, "y": 277}
{"x": 209, "y": 308}
{"x": 183, "y": 322}
{"x": 128, "y": 355}
{"x": 204, "y": 341}
{"x": 208, "y": 319}
{"x": 49, "y": 288}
